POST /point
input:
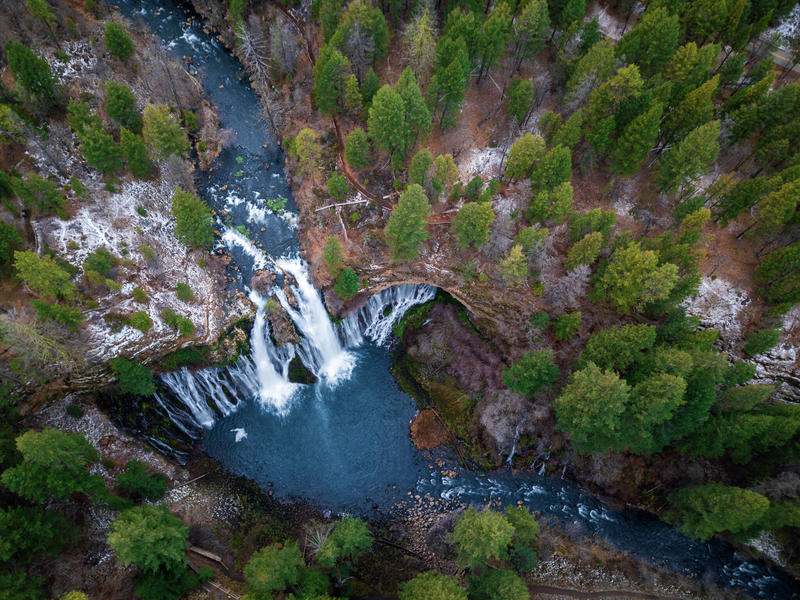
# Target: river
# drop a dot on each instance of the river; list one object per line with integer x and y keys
{"x": 343, "y": 443}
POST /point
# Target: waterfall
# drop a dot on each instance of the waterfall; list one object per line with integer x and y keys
{"x": 376, "y": 318}
{"x": 197, "y": 399}
{"x": 320, "y": 348}
{"x": 516, "y": 439}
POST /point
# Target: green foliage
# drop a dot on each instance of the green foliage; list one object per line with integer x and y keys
{"x": 498, "y": 584}
{"x": 150, "y": 537}
{"x": 41, "y": 10}
{"x": 529, "y": 31}
{"x": 274, "y": 569}
{"x": 347, "y": 284}
{"x": 553, "y": 169}
{"x": 369, "y": 87}
{"x": 482, "y": 538}
{"x": 45, "y": 277}
{"x": 10, "y": 240}
{"x": 193, "y": 220}
{"x": 38, "y": 194}
{"x": 162, "y": 133}
{"x": 337, "y": 187}
{"x": 618, "y": 348}
{"x": 54, "y": 465}
{"x": 330, "y": 76}
{"x": 121, "y": 106}
{"x": 472, "y": 222}
{"x": 590, "y": 408}
{"x": 405, "y": 230}
{"x": 689, "y": 158}
{"x": 705, "y": 510}
{"x": 140, "y": 483}
{"x": 182, "y": 324}
{"x": 445, "y": 174}
{"x": 136, "y": 155}
{"x": 170, "y": 584}
{"x": 779, "y": 276}
{"x": 581, "y": 224}
{"x": 761, "y": 341}
{"x": 652, "y": 40}
{"x": 100, "y": 150}
{"x": 514, "y": 266}
{"x": 633, "y": 278}
{"x": 32, "y": 73}
{"x": 141, "y": 321}
{"x": 184, "y": 292}
{"x": 531, "y": 372}
{"x": 585, "y": 251}
{"x": 386, "y": 122}
{"x": 637, "y": 140}
{"x": 531, "y": 239}
{"x": 567, "y": 325}
{"x": 28, "y": 533}
{"x": 520, "y": 97}
{"x": 348, "y": 540}
{"x": 332, "y": 256}
{"x": 524, "y": 152}
{"x": 420, "y": 167}
{"x": 371, "y": 22}
{"x": 526, "y": 529}
{"x": 353, "y": 100}
{"x": 117, "y": 41}
{"x": 305, "y": 149}
{"x": 65, "y": 315}
{"x": 551, "y": 203}
{"x": 101, "y": 261}
{"x": 450, "y": 78}
{"x": 132, "y": 377}
{"x": 432, "y": 585}
{"x": 356, "y": 148}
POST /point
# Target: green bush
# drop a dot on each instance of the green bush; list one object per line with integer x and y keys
{"x": 132, "y": 377}
{"x": 178, "y": 322}
{"x": 139, "y": 294}
{"x": 761, "y": 341}
{"x": 67, "y": 316}
{"x": 121, "y": 106}
{"x": 184, "y": 292}
{"x": 101, "y": 261}
{"x": 117, "y": 41}
{"x": 567, "y": 325}
{"x": 140, "y": 320}
{"x": 193, "y": 221}
{"x": 140, "y": 483}
{"x": 347, "y": 284}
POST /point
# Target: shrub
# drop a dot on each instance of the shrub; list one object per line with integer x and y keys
{"x": 117, "y": 41}
{"x": 332, "y": 255}
{"x": 101, "y": 261}
{"x": 193, "y": 221}
{"x": 184, "y": 292}
{"x": 761, "y": 341}
{"x": 182, "y": 324}
{"x": 140, "y": 320}
{"x": 139, "y": 294}
{"x": 65, "y": 315}
{"x": 140, "y": 483}
{"x": 567, "y": 325}
{"x": 132, "y": 377}
{"x": 337, "y": 187}
{"x": 347, "y": 284}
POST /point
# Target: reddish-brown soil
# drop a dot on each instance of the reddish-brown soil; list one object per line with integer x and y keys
{"x": 426, "y": 431}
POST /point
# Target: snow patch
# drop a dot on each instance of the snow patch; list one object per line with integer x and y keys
{"x": 484, "y": 162}
{"x": 82, "y": 61}
{"x": 720, "y": 305}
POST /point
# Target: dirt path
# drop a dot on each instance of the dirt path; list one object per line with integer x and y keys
{"x": 609, "y": 594}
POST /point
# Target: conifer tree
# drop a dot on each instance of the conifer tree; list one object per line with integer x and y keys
{"x": 405, "y": 229}
{"x": 705, "y": 18}
{"x": 193, "y": 220}
{"x": 445, "y": 174}
{"x": 356, "y": 148}
{"x": 330, "y": 13}
{"x": 162, "y": 133}
{"x": 585, "y": 251}
{"x": 551, "y": 203}
{"x": 529, "y": 31}
{"x": 450, "y": 79}
{"x": 121, "y": 106}
{"x": 432, "y": 585}
{"x": 705, "y": 510}
{"x": 524, "y": 153}
{"x": 638, "y": 138}
{"x": 352, "y": 95}
{"x": 693, "y": 111}
{"x": 471, "y": 223}
{"x": 570, "y": 133}
{"x": 514, "y": 266}
{"x": 150, "y": 537}
{"x": 117, "y": 41}
{"x": 779, "y": 276}
{"x": 416, "y": 116}
{"x": 564, "y": 13}
{"x": 332, "y": 255}
{"x": 386, "y": 123}
{"x": 531, "y": 372}
{"x": 32, "y": 73}
{"x": 689, "y": 158}
{"x": 100, "y": 150}
{"x": 330, "y": 75}
{"x": 419, "y": 42}
{"x": 594, "y": 67}
{"x": 652, "y": 40}
{"x": 520, "y": 99}
{"x": 777, "y": 209}
{"x": 369, "y": 87}
{"x": 553, "y": 169}
{"x": 40, "y": 195}
{"x": 493, "y": 38}
{"x": 136, "y": 155}
{"x": 362, "y": 16}
{"x": 420, "y": 166}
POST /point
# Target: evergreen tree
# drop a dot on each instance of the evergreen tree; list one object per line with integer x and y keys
{"x": 416, "y": 116}
{"x": 352, "y": 94}
{"x": 121, "y": 106}
{"x": 531, "y": 372}
{"x": 54, "y": 465}
{"x": 705, "y": 18}
{"x": 432, "y": 585}
{"x": 531, "y": 239}
{"x": 136, "y": 155}
{"x": 471, "y": 224}
{"x": 520, "y": 99}
{"x": 637, "y": 140}
{"x": 705, "y": 510}
{"x": 45, "y": 277}
{"x": 522, "y": 156}
{"x": 117, "y": 41}
{"x": 585, "y": 251}
{"x": 332, "y": 256}
{"x": 305, "y": 149}
{"x": 564, "y": 13}
{"x": 694, "y": 110}
{"x": 529, "y": 31}
{"x": 100, "y": 150}
{"x": 349, "y": 539}
{"x": 450, "y": 79}
{"x": 193, "y": 220}
{"x": 652, "y": 40}
{"x": 369, "y": 87}
{"x": 419, "y": 42}
{"x": 330, "y": 76}
{"x": 482, "y": 538}
{"x": 445, "y": 174}
{"x": 162, "y": 133}
{"x": 386, "y": 123}
{"x": 39, "y": 195}
{"x": 590, "y": 408}
{"x": 619, "y": 348}
{"x": 28, "y": 533}
{"x": 493, "y": 38}
{"x": 274, "y": 569}
{"x": 405, "y": 230}
{"x": 633, "y": 278}
{"x": 554, "y": 169}
{"x": 689, "y": 158}
{"x": 570, "y": 133}
{"x": 10, "y": 240}
{"x": 150, "y": 537}
{"x": 356, "y": 148}
{"x": 420, "y": 167}
{"x": 330, "y": 13}
{"x": 32, "y": 73}
{"x": 132, "y": 377}
{"x": 514, "y": 266}
{"x": 337, "y": 187}
{"x": 550, "y": 203}
{"x": 777, "y": 209}
{"x": 361, "y": 16}
{"x": 761, "y": 341}
{"x": 595, "y": 66}
{"x": 347, "y": 284}
{"x": 499, "y": 584}
{"x": 779, "y": 276}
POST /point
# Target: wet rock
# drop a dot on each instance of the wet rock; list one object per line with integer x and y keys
{"x": 299, "y": 373}
{"x": 262, "y": 282}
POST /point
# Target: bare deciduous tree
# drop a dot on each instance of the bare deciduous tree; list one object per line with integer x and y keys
{"x": 253, "y": 46}
{"x": 419, "y": 42}
{"x": 564, "y": 293}
{"x": 359, "y": 50}
{"x": 283, "y": 46}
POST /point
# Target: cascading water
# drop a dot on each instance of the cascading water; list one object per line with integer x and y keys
{"x": 346, "y": 446}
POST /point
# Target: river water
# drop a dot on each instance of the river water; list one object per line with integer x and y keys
{"x": 343, "y": 442}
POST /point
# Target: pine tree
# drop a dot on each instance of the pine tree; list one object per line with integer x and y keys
{"x": 585, "y": 251}
{"x": 150, "y": 537}
{"x": 520, "y": 99}
{"x": 777, "y": 209}
{"x": 529, "y": 31}
{"x": 352, "y": 95}
{"x": 121, "y": 106}
{"x": 347, "y": 284}
{"x": 432, "y": 585}
{"x": 136, "y": 155}
{"x": 162, "y": 133}
{"x": 100, "y": 150}
{"x": 416, "y": 116}
{"x": 564, "y": 13}
{"x": 779, "y": 276}
{"x": 274, "y": 569}
{"x": 482, "y": 538}
{"x": 514, "y": 266}
{"x": 405, "y": 230}
{"x": 330, "y": 75}
{"x": 39, "y": 195}
{"x": 32, "y": 73}
{"x": 637, "y": 140}
{"x": 330, "y": 13}
{"x": 553, "y": 169}
{"x": 450, "y": 79}
{"x": 362, "y": 15}
{"x": 445, "y": 174}
{"x": 689, "y": 158}
{"x": 493, "y": 38}
{"x": 420, "y": 166}
{"x": 472, "y": 222}
{"x": 386, "y": 123}
{"x": 45, "y": 277}
{"x": 652, "y": 40}
{"x": 498, "y": 584}
{"x": 369, "y": 87}
{"x": 356, "y": 148}
{"x": 705, "y": 510}
{"x": 570, "y": 133}
{"x": 10, "y": 240}
{"x": 522, "y": 156}
{"x": 693, "y": 111}
{"x": 337, "y": 187}
{"x": 332, "y": 256}
{"x": 305, "y": 149}
{"x": 705, "y": 18}
{"x": 117, "y": 41}
{"x": 193, "y": 220}
{"x": 551, "y": 203}
{"x": 419, "y": 42}
{"x": 531, "y": 372}
{"x": 592, "y": 68}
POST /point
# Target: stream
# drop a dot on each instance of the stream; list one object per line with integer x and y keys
{"x": 343, "y": 443}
